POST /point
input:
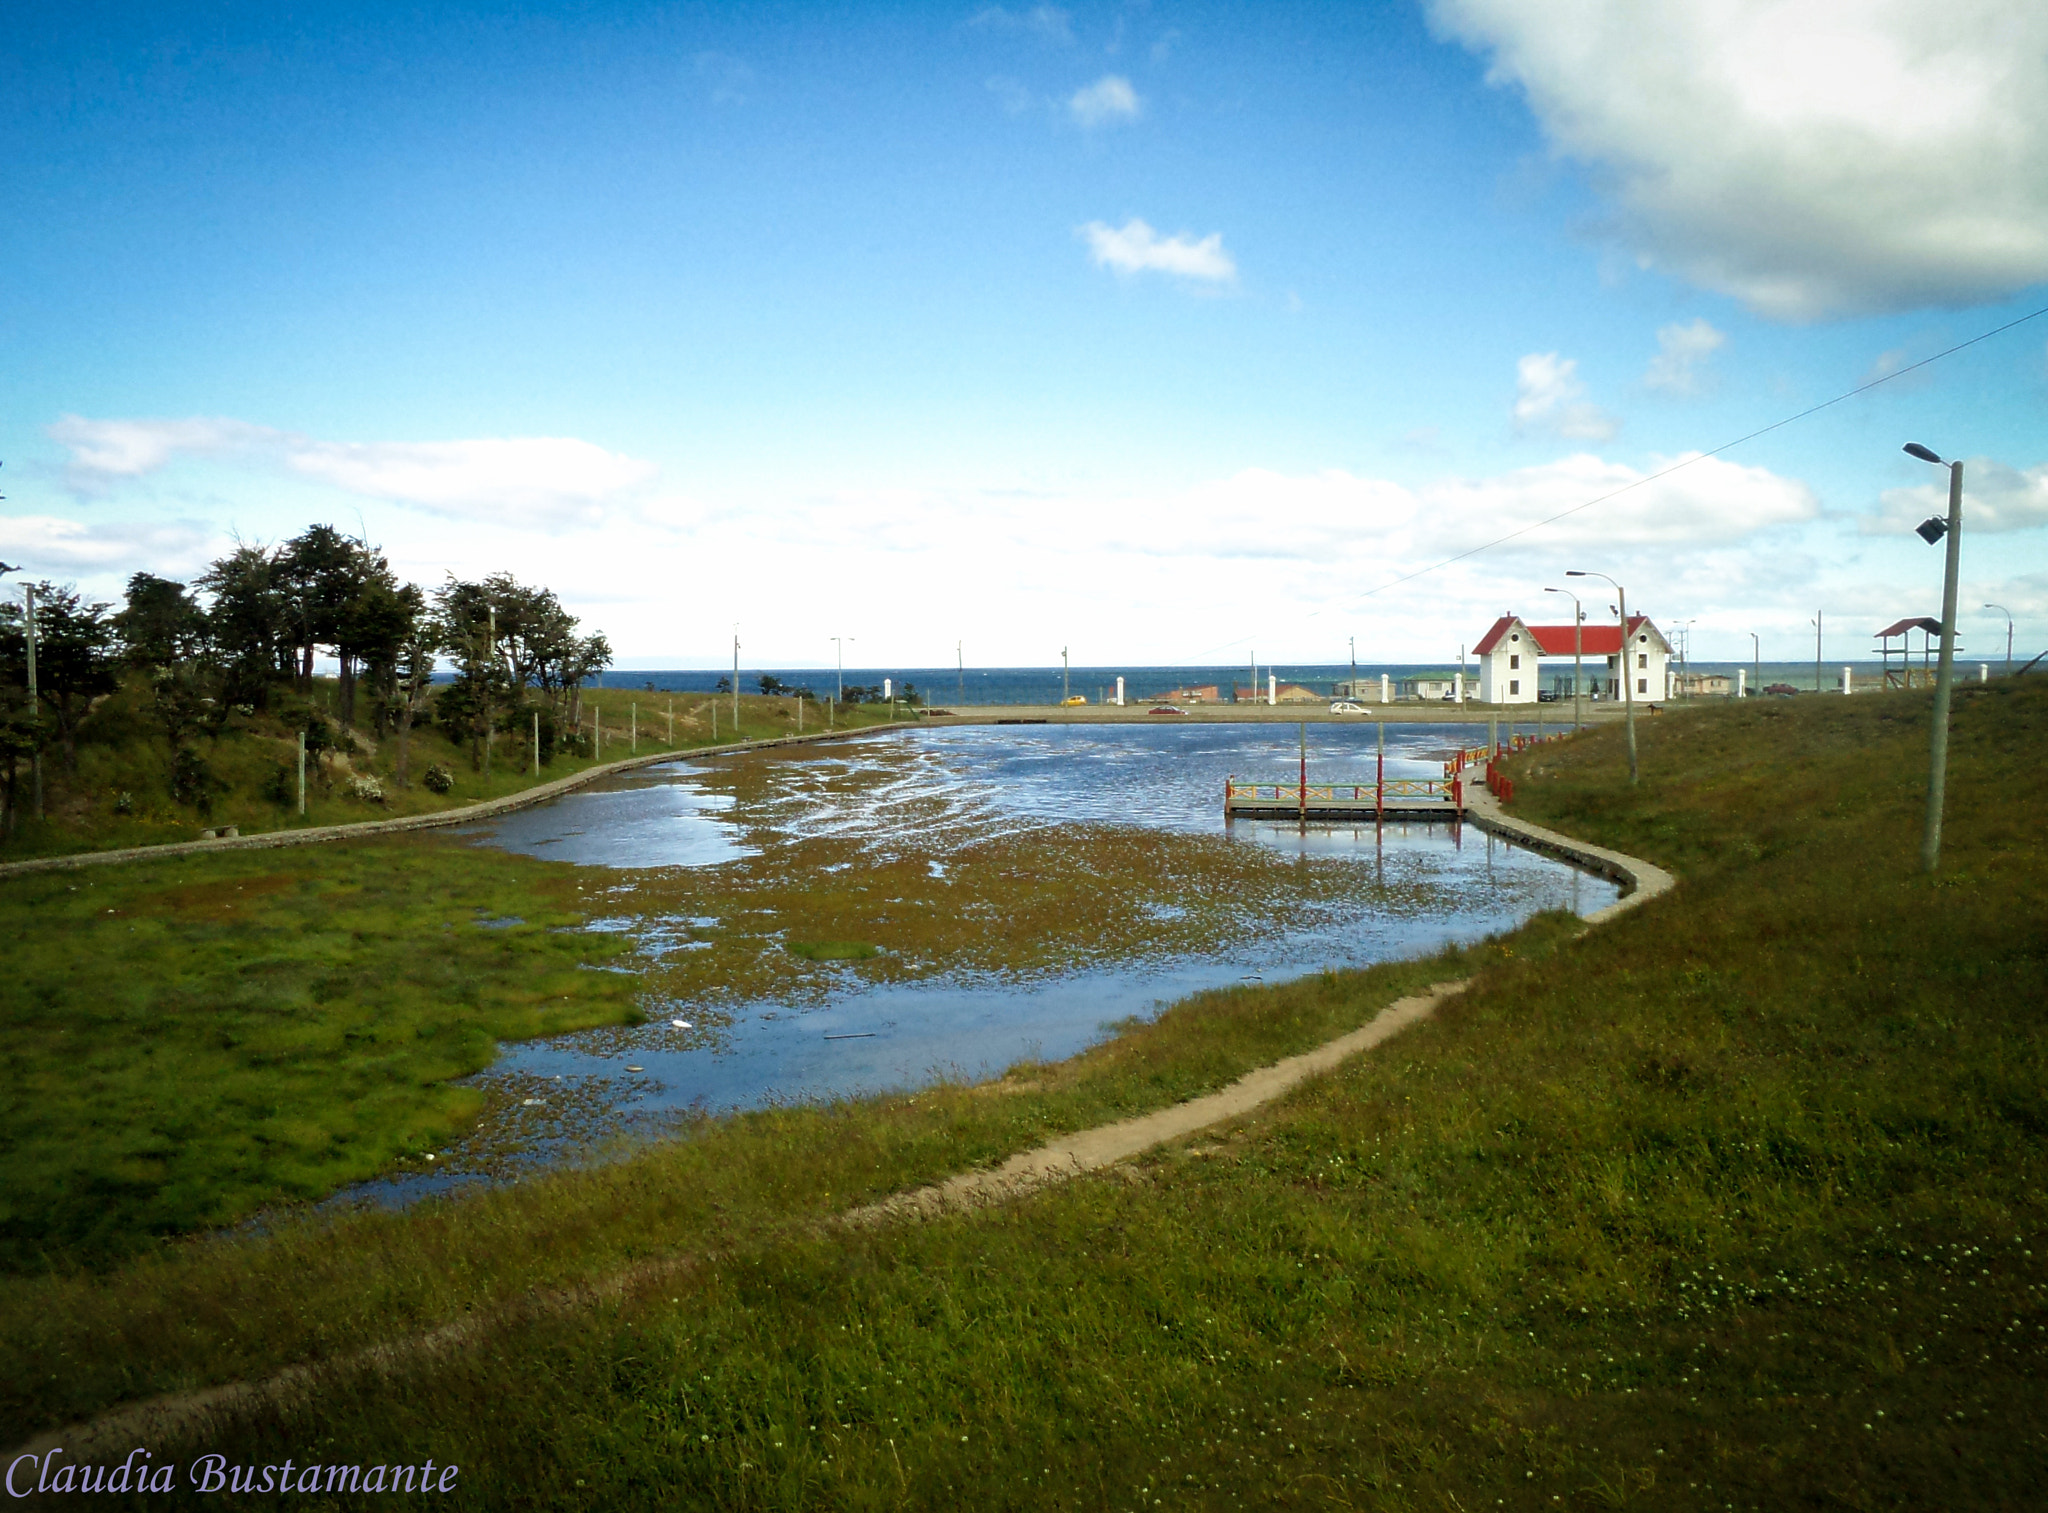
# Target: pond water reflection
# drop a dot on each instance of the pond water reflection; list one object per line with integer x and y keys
{"x": 936, "y": 829}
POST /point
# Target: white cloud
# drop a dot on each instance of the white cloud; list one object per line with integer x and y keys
{"x": 49, "y": 546}
{"x": 1996, "y": 499}
{"x": 1046, "y": 21}
{"x": 1816, "y": 158}
{"x": 544, "y": 482}
{"x": 1109, "y": 99}
{"x": 1137, "y": 248}
{"x": 1682, "y": 350}
{"x": 1708, "y": 502}
{"x": 1549, "y": 397}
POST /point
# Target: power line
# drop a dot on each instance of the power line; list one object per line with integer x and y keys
{"x": 1726, "y": 446}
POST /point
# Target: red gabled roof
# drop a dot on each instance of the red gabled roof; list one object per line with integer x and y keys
{"x": 1491, "y": 639}
{"x": 1914, "y": 622}
{"x": 1556, "y": 640}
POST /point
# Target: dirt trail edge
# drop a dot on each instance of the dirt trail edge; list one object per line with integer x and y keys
{"x": 1070, "y": 1156}
{"x": 526, "y": 798}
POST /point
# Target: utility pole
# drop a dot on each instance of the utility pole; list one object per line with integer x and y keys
{"x": 1816, "y": 650}
{"x": 1354, "y": 668}
{"x": 489, "y": 715}
{"x": 1932, "y": 531}
{"x": 735, "y": 682}
{"x": 1578, "y": 656}
{"x": 960, "y": 655}
{"x": 1066, "y": 689}
{"x": 1627, "y": 670}
{"x": 35, "y": 710}
{"x": 1756, "y": 666}
{"x": 839, "y": 652}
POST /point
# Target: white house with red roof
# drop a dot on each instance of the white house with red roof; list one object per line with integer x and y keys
{"x": 1512, "y": 652}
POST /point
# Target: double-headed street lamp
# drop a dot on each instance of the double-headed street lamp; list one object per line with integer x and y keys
{"x": 1932, "y": 530}
{"x": 2008, "y": 634}
{"x": 1578, "y": 655}
{"x": 1627, "y": 670}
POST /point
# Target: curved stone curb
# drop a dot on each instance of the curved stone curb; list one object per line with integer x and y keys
{"x": 358, "y": 829}
{"x": 1640, "y": 880}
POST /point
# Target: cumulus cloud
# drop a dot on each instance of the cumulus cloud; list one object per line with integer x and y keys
{"x": 53, "y": 547}
{"x": 1549, "y": 397}
{"x": 1046, "y": 21}
{"x": 1710, "y": 501}
{"x": 1996, "y": 499}
{"x": 1136, "y": 248}
{"x": 1874, "y": 156}
{"x": 546, "y": 482}
{"x": 1682, "y": 351}
{"x": 1109, "y": 99}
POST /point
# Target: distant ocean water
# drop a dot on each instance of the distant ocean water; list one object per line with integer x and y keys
{"x": 1043, "y": 685}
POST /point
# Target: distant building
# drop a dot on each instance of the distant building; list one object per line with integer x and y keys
{"x": 1429, "y": 685}
{"x": 1702, "y": 685}
{"x": 1284, "y": 693}
{"x": 1207, "y": 693}
{"x": 1511, "y": 653}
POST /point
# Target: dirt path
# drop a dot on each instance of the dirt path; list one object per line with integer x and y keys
{"x": 177, "y": 1414}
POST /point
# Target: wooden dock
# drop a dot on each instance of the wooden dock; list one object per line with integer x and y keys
{"x": 1390, "y": 799}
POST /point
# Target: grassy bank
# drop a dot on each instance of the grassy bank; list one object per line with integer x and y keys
{"x": 128, "y": 787}
{"x": 1735, "y": 1203}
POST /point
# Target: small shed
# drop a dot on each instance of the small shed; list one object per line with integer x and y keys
{"x": 1905, "y": 675}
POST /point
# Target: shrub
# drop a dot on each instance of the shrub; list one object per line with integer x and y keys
{"x": 438, "y": 779}
{"x": 369, "y": 790}
{"x": 193, "y": 781}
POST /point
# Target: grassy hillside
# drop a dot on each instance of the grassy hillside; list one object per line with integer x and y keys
{"x": 129, "y": 787}
{"x": 1737, "y": 1202}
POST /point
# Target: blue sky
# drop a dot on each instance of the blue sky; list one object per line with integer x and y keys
{"x": 1162, "y": 332}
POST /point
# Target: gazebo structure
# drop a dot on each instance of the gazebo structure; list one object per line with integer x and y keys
{"x": 1901, "y": 631}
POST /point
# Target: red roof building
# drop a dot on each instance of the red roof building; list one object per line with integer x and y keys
{"x": 1512, "y": 651}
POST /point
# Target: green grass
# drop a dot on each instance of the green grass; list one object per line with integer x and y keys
{"x": 189, "y": 1039}
{"x": 1737, "y": 1202}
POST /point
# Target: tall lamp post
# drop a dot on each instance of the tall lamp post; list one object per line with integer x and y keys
{"x": 1684, "y": 656}
{"x": 1628, "y": 672}
{"x": 1756, "y": 665}
{"x": 1578, "y": 655}
{"x": 1932, "y": 530}
{"x": 2008, "y": 634}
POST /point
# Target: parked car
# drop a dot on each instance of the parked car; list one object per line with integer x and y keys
{"x": 1345, "y": 706}
{"x": 1167, "y": 709}
{"x": 1547, "y": 698}
{"x": 1781, "y": 690}
{"x": 1069, "y": 703}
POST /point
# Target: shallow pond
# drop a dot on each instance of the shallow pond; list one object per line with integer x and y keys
{"x": 879, "y": 913}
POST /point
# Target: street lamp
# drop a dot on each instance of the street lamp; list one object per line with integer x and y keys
{"x": 1756, "y": 665}
{"x": 1578, "y": 655}
{"x": 1628, "y": 673}
{"x": 2008, "y": 634}
{"x": 1932, "y": 530}
{"x": 1684, "y": 656}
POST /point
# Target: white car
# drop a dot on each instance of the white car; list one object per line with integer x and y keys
{"x": 1345, "y": 706}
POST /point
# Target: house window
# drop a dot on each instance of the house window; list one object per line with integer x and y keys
{"x": 1642, "y": 659}
{"x": 1514, "y": 686}
{"x": 1642, "y": 685}
{"x": 1514, "y": 661}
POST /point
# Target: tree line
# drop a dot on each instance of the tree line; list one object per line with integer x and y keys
{"x": 244, "y": 635}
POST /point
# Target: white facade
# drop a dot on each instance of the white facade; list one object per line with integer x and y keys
{"x": 1508, "y": 673}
